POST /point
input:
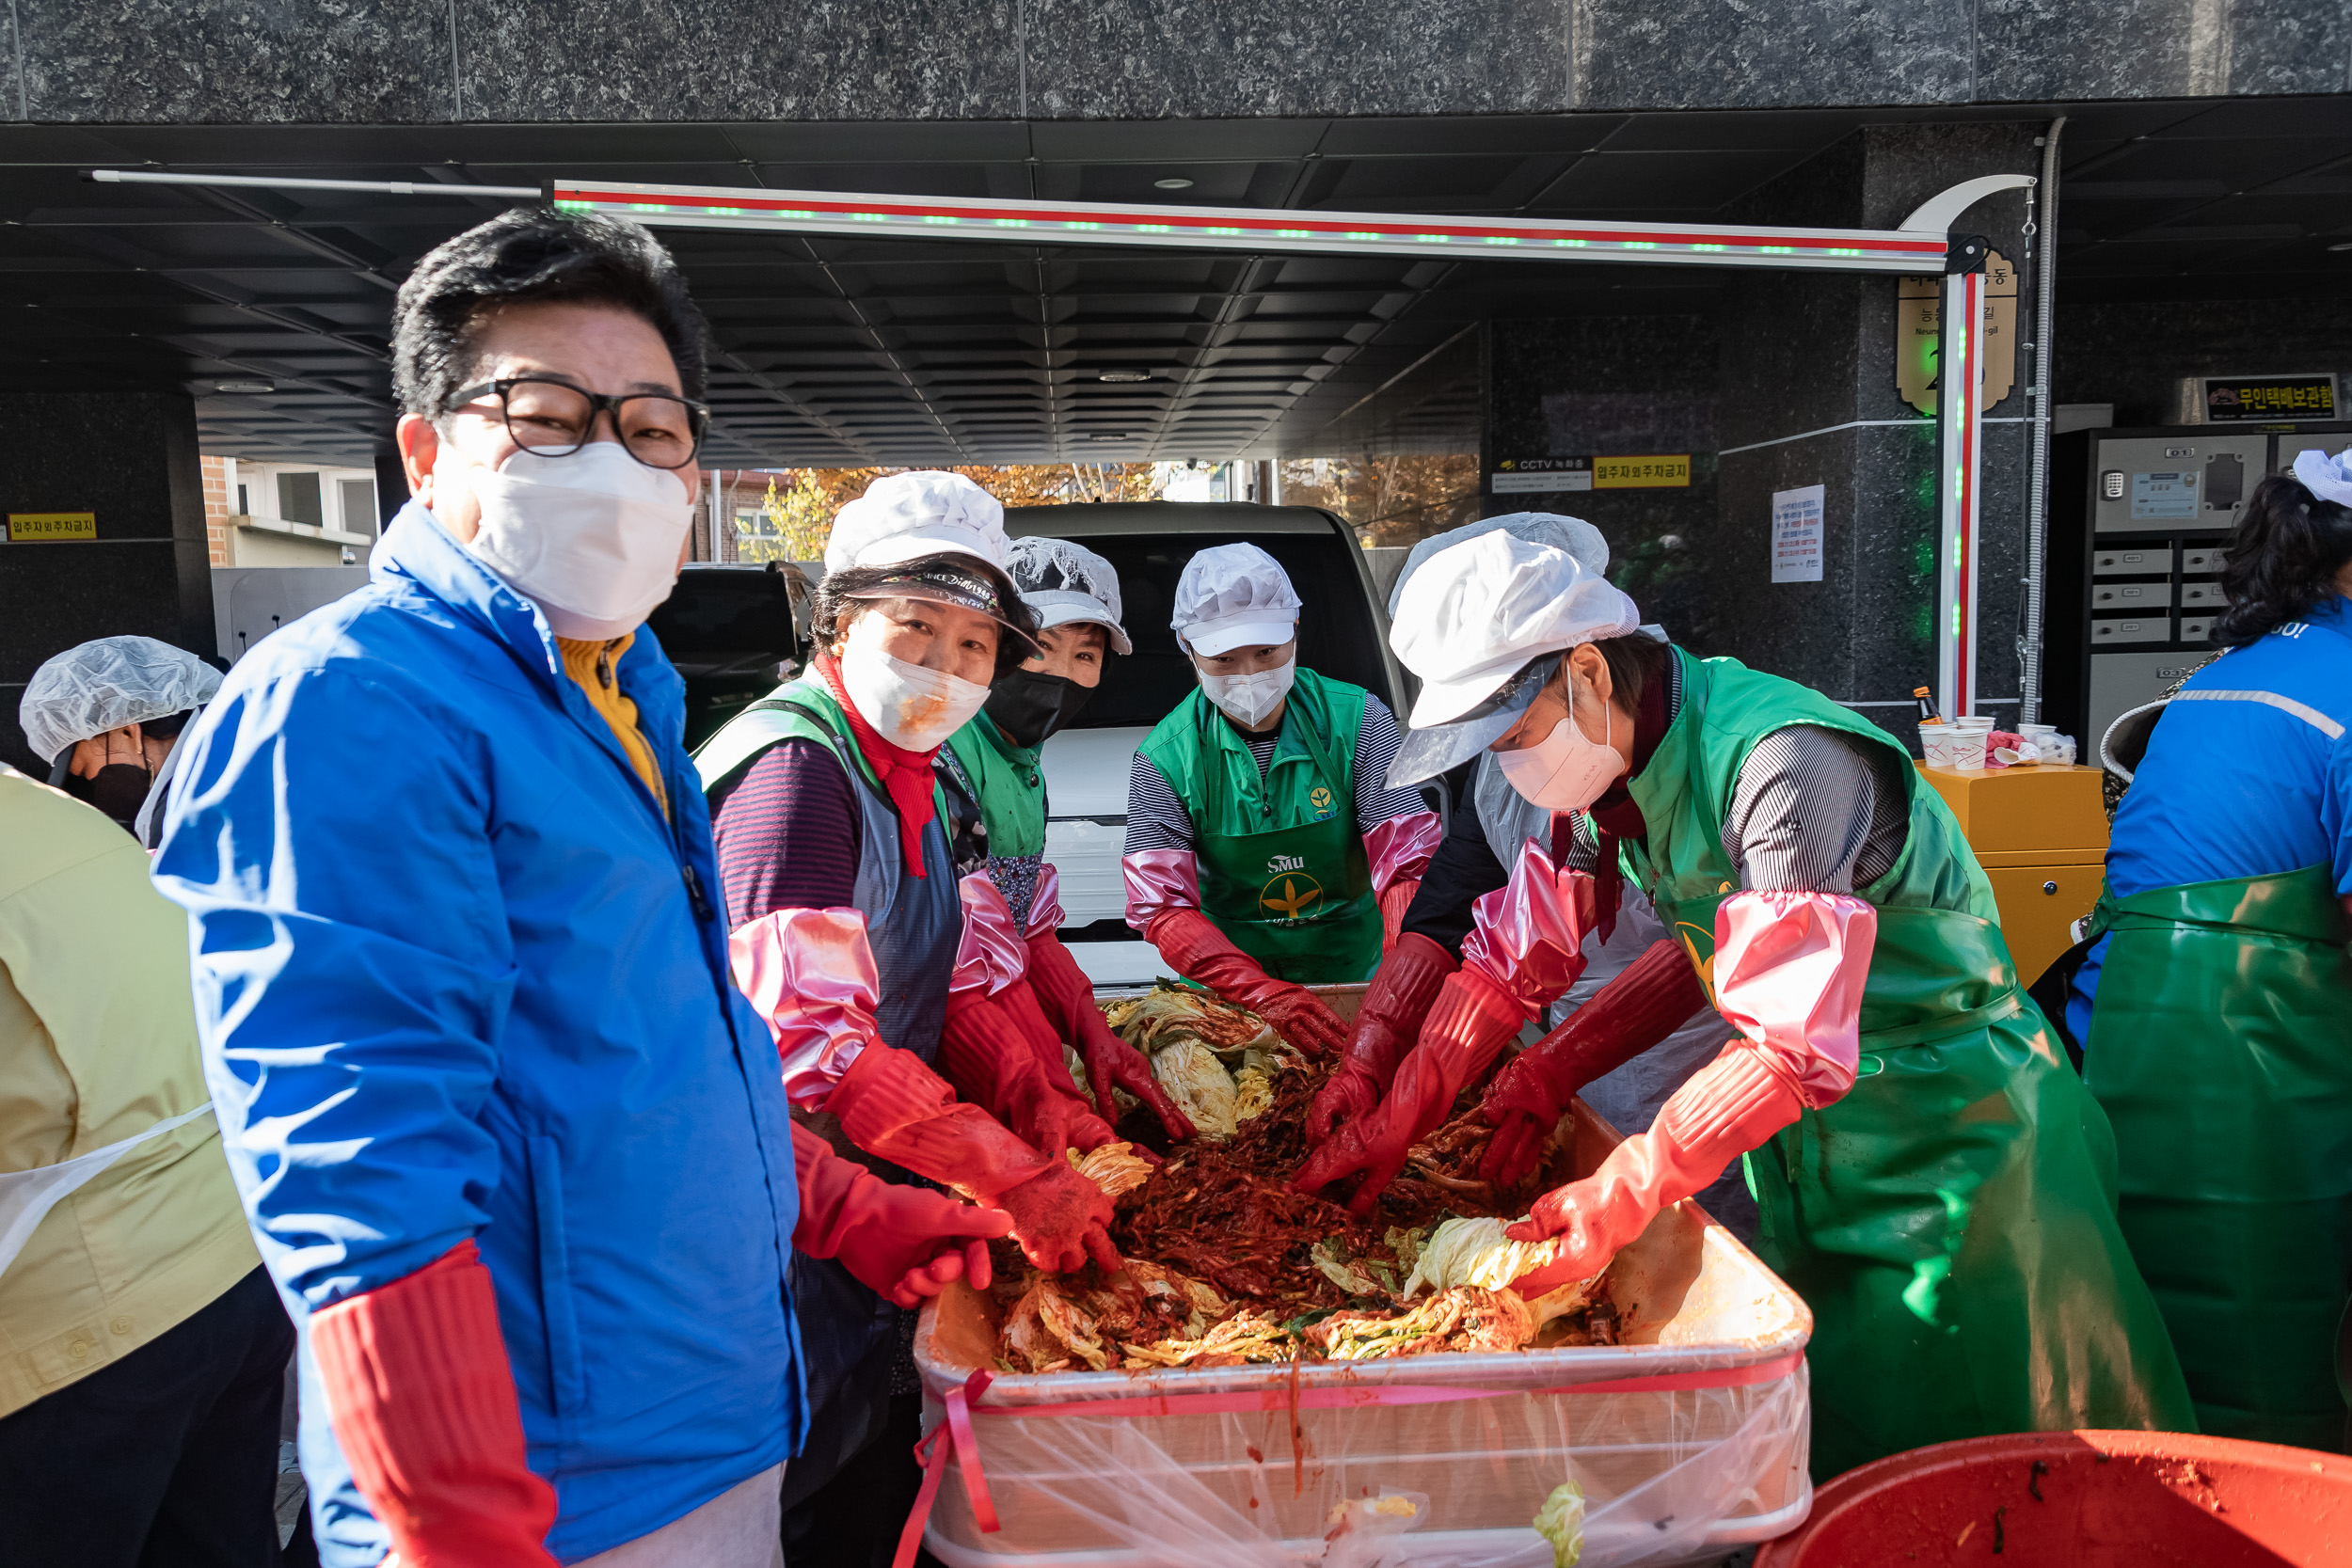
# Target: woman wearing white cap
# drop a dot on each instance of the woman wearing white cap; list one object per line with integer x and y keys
{"x": 996, "y": 791}
{"x": 1264, "y": 852}
{"x": 841, "y": 892}
{"x": 1940, "y": 1187}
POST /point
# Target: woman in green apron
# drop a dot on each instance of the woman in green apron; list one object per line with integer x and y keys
{"x": 2220, "y": 992}
{"x": 1930, "y": 1175}
{"x": 1256, "y": 862}
{"x": 993, "y": 778}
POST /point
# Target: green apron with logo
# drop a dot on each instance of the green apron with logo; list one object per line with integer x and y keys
{"x": 2221, "y": 1049}
{"x": 1282, "y": 868}
{"x": 1006, "y": 786}
{"x": 1951, "y": 1219}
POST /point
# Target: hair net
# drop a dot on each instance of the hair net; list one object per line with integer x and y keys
{"x": 2328, "y": 478}
{"x": 1573, "y": 535}
{"x": 105, "y": 685}
{"x": 1481, "y": 610}
{"x": 1062, "y": 582}
{"x": 1233, "y": 596}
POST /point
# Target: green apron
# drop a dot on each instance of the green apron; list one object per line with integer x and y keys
{"x": 1282, "y": 868}
{"x": 1951, "y": 1219}
{"x": 2221, "y": 1049}
{"x": 1005, "y": 787}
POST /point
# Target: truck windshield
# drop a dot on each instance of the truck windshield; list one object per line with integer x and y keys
{"x": 1338, "y": 635}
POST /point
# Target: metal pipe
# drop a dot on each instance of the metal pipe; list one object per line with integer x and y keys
{"x": 2037, "y": 428}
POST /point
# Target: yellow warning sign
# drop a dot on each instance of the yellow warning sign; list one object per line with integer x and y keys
{"x": 28, "y": 527}
{"x": 1656, "y": 471}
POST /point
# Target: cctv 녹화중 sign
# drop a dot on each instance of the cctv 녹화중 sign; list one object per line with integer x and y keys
{"x": 1523, "y": 476}
{"x": 42, "y": 528}
{"x": 2232, "y": 398}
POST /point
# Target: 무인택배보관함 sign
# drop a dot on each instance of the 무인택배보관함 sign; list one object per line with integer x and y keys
{"x": 2230, "y": 398}
{"x": 42, "y": 527}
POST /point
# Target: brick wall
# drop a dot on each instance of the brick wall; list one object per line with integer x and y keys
{"x": 217, "y": 505}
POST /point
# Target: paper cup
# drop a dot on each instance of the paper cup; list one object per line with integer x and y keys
{"x": 1969, "y": 757}
{"x": 1936, "y": 744}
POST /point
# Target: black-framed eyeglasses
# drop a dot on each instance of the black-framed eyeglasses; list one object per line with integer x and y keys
{"x": 556, "y": 419}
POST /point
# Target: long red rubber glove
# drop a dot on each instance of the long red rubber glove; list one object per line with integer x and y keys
{"x": 1065, "y": 997}
{"x": 1191, "y": 942}
{"x": 1394, "y": 1005}
{"x": 424, "y": 1407}
{"x": 995, "y": 1064}
{"x": 892, "y": 1105}
{"x": 1466, "y": 1026}
{"x": 900, "y": 1242}
{"x": 1729, "y": 1106}
{"x": 1395, "y": 901}
{"x": 1644, "y": 1003}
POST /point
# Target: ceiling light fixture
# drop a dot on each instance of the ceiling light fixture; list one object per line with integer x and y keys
{"x": 1124, "y": 375}
{"x": 1173, "y": 183}
{"x": 243, "y": 387}
{"x": 2344, "y": 244}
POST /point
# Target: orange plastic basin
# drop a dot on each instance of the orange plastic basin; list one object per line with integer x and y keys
{"x": 2082, "y": 1500}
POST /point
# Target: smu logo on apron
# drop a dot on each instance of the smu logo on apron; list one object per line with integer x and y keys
{"x": 1290, "y": 894}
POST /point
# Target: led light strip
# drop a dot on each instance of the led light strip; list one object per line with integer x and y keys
{"x": 1960, "y": 395}
{"x": 1255, "y": 228}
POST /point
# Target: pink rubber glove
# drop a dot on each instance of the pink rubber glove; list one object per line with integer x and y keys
{"x": 422, "y": 1402}
{"x": 1190, "y": 941}
{"x": 1394, "y": 1005}
{"x": 1729, "y": 1106}
{"x": 1640, "y": 1007}
{"x": 899, "y": 1242}
{"x": 1065, "y": 997}
{"x": 892, "y": 1105}
{"x": 994, "y": 1062}
{"x": 1466, "y": 1026}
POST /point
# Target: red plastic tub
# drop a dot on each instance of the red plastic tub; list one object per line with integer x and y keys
{"x": 2082, "y": 1500}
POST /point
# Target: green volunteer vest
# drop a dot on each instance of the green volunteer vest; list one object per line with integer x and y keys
{"x": 2221, "y": 1049}
{"x": 1006, "y": 784}
{"x": 1282, "y": 867}
{"x": 1950, "y": 1220}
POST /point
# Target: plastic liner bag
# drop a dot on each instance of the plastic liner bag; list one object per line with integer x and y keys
{"x": 1665, "y": 1476}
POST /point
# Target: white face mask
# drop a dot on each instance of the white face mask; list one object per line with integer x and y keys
{"x": 1250, "y": 698}
{"x": 592, "y": 539}
{"x": 1564, "y": 770}
{"x": 915, "y": 708}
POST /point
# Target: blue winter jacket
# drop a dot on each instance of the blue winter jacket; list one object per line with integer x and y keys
{"x": 458, "y": 975}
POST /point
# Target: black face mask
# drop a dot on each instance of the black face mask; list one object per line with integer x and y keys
{"x": 118, "y": 790}
{"x": 1029, "y": 705}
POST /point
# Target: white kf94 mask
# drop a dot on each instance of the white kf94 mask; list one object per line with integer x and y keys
{"x": 914, "y": 707}
{"x": 592, "y": 539}
{"x": 1564, "y": 770}
{"x": 1250, "y": 698}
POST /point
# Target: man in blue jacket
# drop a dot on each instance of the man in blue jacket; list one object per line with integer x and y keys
{"x": 514, "y": 1148}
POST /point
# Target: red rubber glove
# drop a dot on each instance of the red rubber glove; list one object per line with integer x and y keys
{"x": 1644, "y": 1003}
{"x": 1397, "y": 1001}
{"x": 423, "y": 1405}
{"x": 892, "y": 1105}
{"x": 1395, "y": 901}
{"x": 899, "y": 1242}
{"x": 1467, "y": 1025}
{"x": 1727, "y": 1107}
{"x": 1065, "y": 998}
{"x": 1190, "y": 941}
{"x": 995, "y": 1064}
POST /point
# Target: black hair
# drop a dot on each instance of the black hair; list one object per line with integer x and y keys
{"x": 2281, "y": 561}
{"x": 1636, "y": 662}
{"x": 831, "y": 616}
{"x": 535, "y": 255}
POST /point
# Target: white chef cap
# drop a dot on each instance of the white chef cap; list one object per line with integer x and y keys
{"x": 1062, "y": 583}
{"x": 1476, "y": 615}
{"x": 904, "y": 517}
{"x": 105, "y": 685}
{"x": 1233, "y": 596}
{"x": 1574, "y": 535}
{"x": 2328, "y": 478}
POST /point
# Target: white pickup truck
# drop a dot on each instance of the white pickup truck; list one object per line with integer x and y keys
{"x": 1343, "y": 633}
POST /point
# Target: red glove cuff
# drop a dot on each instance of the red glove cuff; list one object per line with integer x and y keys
{"x": 424, "y": 1407}
{"x": 892, "y": 1105}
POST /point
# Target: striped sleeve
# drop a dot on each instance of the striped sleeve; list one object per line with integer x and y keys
{"x": 1811, "y": 812}
{"x": 787, "y": 834}
{"x": 1156, "y": 820}
{"x": 1377, "y": 743}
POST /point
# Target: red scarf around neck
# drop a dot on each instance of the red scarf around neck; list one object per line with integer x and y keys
{"x": 906, "y": 775}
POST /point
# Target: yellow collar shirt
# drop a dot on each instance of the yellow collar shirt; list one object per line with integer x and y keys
{"x": 97, "y": 1045}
